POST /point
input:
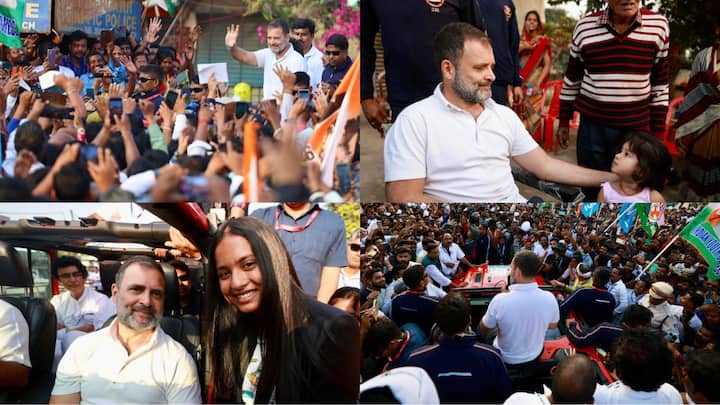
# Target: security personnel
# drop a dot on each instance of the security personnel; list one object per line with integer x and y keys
{"x": 462, "y": 369}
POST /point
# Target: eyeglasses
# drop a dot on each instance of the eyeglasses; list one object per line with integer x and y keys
{"x": 355, "y": 247}
{"x": 144, "y": 79}
{"x": 197, "y": 89}
{"x": 67, "y": 276}
{"x": 332, "y": 53}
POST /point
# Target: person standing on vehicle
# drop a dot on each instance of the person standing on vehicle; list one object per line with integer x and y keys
{"x": 523, "y": 315}
{"x": 80, "y": 309}
{"x": 132, "y": 360}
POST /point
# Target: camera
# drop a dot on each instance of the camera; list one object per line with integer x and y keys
{"x": 50, "y": 111}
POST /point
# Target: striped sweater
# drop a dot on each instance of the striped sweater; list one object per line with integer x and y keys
{"x": 618, "y": 79}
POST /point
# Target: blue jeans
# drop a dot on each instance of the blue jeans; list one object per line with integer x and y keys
{"x": 597, "y": 146}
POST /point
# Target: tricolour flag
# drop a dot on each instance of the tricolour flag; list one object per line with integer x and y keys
{"x": 648, "y": 223}
{"x": 627, "y": 217}
{"x": 703, "y": 232}
{"x": 657, "y": 213}
{"x": 11, "y": 16}
{"x": 167, "y": 5}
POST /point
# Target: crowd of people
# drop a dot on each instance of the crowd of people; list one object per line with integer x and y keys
{"x": 118, "y": 118}
{"x": 569, "y": 275}
{"x": 483, "y": 82}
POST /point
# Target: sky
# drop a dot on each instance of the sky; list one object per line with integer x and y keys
{"x": 573, "y": 9}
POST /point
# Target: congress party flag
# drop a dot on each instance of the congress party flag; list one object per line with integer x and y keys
{"x": 627, "y": 217}
{"x": 647, "y": 223}
{"x": 167, "y": 5}
{"x": 11, "y": 15}
{"x": 703, "y": 232}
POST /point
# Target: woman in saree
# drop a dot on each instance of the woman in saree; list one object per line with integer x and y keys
{"x": 698, "y": 126}
{"x": 535, "y": 62}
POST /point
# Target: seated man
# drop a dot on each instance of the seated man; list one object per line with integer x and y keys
{"x": 413, "y": 305}
{"x": 573, "y": 382}
{"x": 591, "y": 305}
{"x": 80, "y": 309}
{"x": 457, "y": 144}
{"x": 190, "y": 298}
{"x": 108, "y": 365}
{"x": 14, "y": 350}
{"x": 462, "y": 369}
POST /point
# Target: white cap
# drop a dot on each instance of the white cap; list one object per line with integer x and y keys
{"x": 409, "y": 385}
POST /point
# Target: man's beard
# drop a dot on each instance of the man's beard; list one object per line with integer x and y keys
{"x": 279, "y": 48}
{"x": 125, "y": 316}
{"x": 467, "y": 91}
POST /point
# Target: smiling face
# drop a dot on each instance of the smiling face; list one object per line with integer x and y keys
{"x": 277, "y": 40}
{"x": 238, "y": 273}
{"x": 139, "y": 297}
{"x": 72, "y": 280}
{"x": 473, "y": 75}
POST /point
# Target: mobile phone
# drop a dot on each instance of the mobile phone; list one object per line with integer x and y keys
{"x": 52, "y": 97}
{"x": 343, "y": 175}
{"x": 241, "y": 107}
{"x": 52, "y": 56}
{"x": 116, "y": 106}
{"x": 89, "y": 152}
{"x": 194, "y": 187}
{"x": 304, "y": 94}
{"x": 90, "y": 93}
{"x": 170, "y": 98}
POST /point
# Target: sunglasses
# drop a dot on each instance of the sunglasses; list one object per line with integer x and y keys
{"x": 355, "y": 247}
{"x": 332, "y": 53}
{"x": 144, "y": 79}
{"x": 197, "y": 89}
{"x": 67, "y": 276}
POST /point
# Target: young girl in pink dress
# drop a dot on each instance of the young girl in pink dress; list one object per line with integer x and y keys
{"x": 642, "y": 166}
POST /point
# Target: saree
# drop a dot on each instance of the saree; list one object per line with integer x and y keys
{"x": 698, "y": 126}
{"x": 530, "y": 112}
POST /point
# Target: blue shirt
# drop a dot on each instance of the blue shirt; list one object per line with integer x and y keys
{"x": 464, "y": 370}
{"x": 120, "y": 75}
{"x": 414, "y": 307}
{"x": 592, "y": 305}
{"x": 320, "y": 244}
{"x": 334, "y": 75}
{"x": 603, "y": 335}
{"x": 78, "y": 70}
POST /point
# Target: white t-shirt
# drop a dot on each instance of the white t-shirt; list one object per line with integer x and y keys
{"x": 14, "y": 335}
{"x": 619, "y": 393}
{"x": 100, "y": 369}
{"x": 346, "y": 280}
{"x": 92, "y": 308}
{"x": 267, "y": 60}
{"x": 451, "y": 254}
{"x": 522, "y": 317}
{"x": 529, "y": 398}
{"x": 460, "y": 158}
{"x": 314, "y": 63}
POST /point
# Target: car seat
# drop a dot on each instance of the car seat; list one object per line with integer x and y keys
{"x": 42, "y": 324}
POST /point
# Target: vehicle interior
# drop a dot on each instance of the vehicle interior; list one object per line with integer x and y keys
{"x": 28, "y": 247}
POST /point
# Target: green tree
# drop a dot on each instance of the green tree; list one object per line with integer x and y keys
{"x": 350, "y": 213}
{"x": 559, "y": 28}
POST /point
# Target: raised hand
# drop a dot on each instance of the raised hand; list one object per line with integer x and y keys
{"x": 153, "y": 29}
{"x": 105, "y": 172}
{"x": 231, "y": 37}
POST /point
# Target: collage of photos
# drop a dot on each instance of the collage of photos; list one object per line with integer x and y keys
{"x": 184, "y": 219}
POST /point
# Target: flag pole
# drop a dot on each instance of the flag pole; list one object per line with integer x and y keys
{"x": 618, "y": 218}
{"x": 657, "y": 256}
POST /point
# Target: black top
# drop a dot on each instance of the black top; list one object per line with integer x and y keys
{"x": 408, "y": 27}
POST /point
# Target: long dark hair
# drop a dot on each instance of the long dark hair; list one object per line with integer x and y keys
{"x": 231, "y": 335}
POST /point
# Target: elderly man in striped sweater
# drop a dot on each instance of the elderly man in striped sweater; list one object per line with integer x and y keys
{"x": 617, "y": 78}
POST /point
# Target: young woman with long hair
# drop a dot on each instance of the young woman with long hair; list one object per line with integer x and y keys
{"x": 267, "y": 340}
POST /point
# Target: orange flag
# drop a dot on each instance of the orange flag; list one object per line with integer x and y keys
{"x": 250, "y": 162}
